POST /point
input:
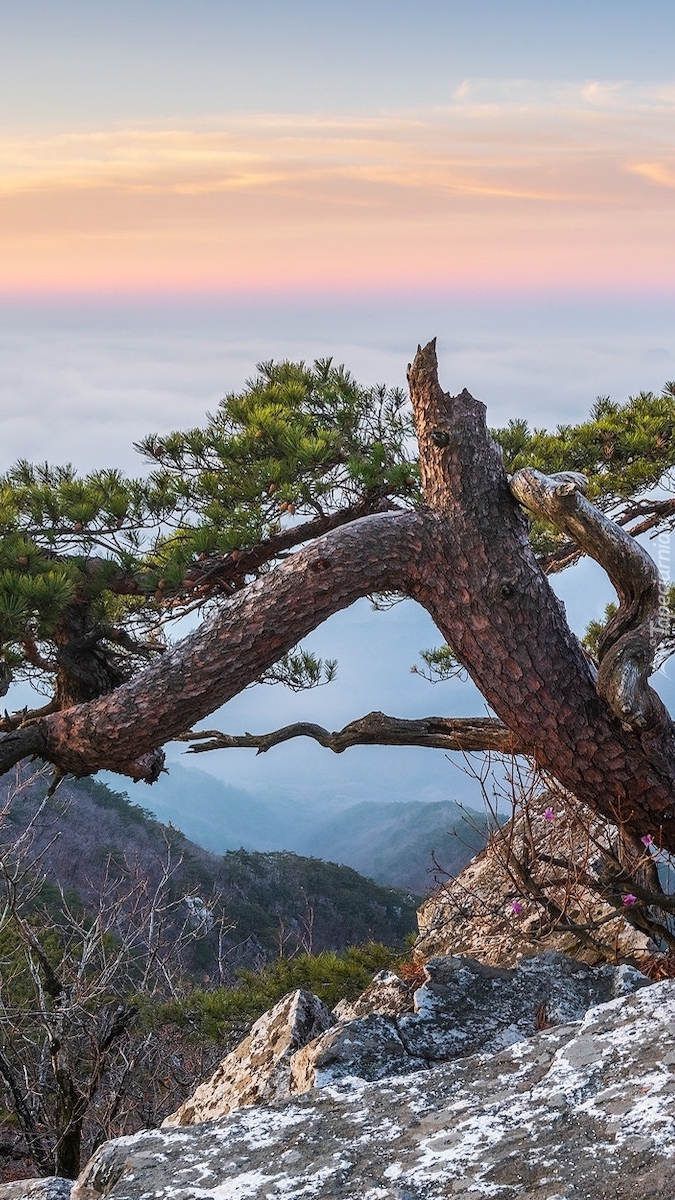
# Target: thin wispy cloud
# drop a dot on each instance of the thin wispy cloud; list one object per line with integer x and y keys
{"x": 513, "y": 183}
{"x": 659, "y": 173}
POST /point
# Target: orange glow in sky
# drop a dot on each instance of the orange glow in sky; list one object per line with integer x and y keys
{"x": 521, "y": 187}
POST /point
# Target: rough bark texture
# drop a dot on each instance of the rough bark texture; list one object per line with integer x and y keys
{"x": 466, "y": 558}
{"x": 232, "y": 648}
{"x": 508, "y": 628}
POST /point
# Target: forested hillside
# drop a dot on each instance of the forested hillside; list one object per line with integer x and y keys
{"x": 86, "y": 835}
{"x": 131, "y": 959}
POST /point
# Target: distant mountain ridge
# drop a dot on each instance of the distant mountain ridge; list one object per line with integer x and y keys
{"x": 417, "y": 844}
{"x": 409, "y": 844}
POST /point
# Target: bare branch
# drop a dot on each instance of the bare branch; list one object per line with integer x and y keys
{"x": 375, "y": 729}
{"x": 649, "y": 514}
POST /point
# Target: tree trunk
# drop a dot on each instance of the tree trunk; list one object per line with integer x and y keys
{"x": 467, "y": 559}
{"x": 84, "y": 671}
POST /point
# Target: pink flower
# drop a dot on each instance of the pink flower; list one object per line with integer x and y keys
{"x": 647, "y": 840}
{"x": 516, "y": 907}
{"x": 549, "y": 815}
{"x": 630, "y": 899}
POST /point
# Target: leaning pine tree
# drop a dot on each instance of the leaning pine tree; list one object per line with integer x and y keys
{"x": 301, "y": 495}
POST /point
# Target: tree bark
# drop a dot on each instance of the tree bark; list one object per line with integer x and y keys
{"x": 509, "y": 630}
{"x": 630, "y": 639}
{"x": 228, "y": 651}
{"x": 467, "y": 559}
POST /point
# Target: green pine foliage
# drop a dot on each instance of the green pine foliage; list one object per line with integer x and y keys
{"x": 330, "y": 976}
{"x": 624, "y": 449}
{"x": 297, "y": 444}
{"x": 440, "y": 664}
{"x": 300, "y": 445}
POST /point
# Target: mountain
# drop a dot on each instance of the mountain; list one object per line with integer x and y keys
{"x": 416, "y": 844}
{"x": 394, "y": 843}
{"x": 86, "y": 837}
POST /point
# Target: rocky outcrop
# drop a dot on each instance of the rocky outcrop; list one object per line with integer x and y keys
{"x": 473, "y": 913}
{"x": 368, "y": 1048}
{"x": 461, "y": 1008}
{"x": 582, "y": 1110}
{"x": 257, "y": 1071}
{"x": 51, "y": 1188}
{"x": 388, "y": 995}
{"x": 465, "y": 1007}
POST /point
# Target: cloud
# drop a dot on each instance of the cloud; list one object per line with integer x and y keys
{"x": 511, "y": 182}
{"x": 657, "y": 173}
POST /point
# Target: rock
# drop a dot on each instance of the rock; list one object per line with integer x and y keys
{"x": 257, "y": 1071}
{"x": 387, "y": 995}
{"x": 465, "y": 1006}
{"x": 578, "y": 1112}
{"x": 51, "y": 1188}
{"x": 368, "y": 1047}
{"x": 472, "y": 914}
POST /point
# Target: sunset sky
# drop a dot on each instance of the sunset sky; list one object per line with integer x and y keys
{"x": 215, "y": 147}
{"x": 190, "y": 186}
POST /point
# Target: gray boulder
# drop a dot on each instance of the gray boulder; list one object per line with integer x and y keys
{"x": 368, "y": 1047}
{"x": 464, "y": 1006}
{"x": 577, "y": 1112}
{"x": 50, "y": 1188}
{"x": 257, "y": 1071}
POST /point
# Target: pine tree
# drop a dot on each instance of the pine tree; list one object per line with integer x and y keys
{"x": 304, "y": 492}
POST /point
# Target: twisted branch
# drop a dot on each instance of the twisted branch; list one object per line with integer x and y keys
{"x": 630, "y": 639}
{"x": 375, "y": 729}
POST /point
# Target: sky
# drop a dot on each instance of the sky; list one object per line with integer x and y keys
{"x": 220, "y": 147}
{"x": 189, "y": 188}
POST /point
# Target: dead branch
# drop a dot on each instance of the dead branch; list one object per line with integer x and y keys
{"x": 375, "y": 729}
{"x": 629, "y": 641}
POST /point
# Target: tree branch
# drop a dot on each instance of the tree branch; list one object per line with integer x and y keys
{"x": 375, "y": 729}
{"x": 629, "y": 641}
{"x": 228, "y": 651}
{"x": 649, "y": 514}
{"x": 231, "y": 569}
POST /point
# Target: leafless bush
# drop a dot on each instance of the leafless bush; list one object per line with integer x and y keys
{"x": 561, "y": 875}
{"x": 80, "y": 1057}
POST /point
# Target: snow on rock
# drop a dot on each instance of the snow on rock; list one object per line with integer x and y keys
{"x": 368, "y": 1047}
{"x": 50, "y": 1188}
{"x": 462, "y": 1008}
{"x": 257, "y": 1071}
{"x": 465, "y": 1006}
{"x": 582, "y": 1111}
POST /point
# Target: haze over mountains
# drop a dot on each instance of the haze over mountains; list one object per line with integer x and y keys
{"x": 393, "y": 841}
